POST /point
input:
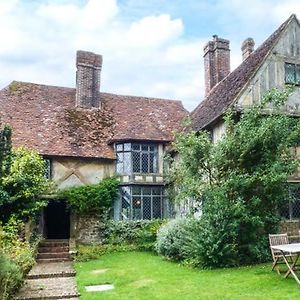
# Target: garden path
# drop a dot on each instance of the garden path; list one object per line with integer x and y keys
{"x": 53, "y": 277}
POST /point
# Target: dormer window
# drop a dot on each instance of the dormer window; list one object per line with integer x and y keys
{"x": 140, "y": 158}
{"x": 292, "y": 73}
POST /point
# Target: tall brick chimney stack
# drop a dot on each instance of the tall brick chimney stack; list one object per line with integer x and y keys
{"x": 216, "y": 62}
{"x": 247, "y": 47}
{"x": 88, "y": 66}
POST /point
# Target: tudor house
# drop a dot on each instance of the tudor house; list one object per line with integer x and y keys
{"x": 273, "y": 64}
{"x": 86, "y": 135}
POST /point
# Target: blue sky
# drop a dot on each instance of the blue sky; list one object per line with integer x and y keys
{"x": 150, "y": 48}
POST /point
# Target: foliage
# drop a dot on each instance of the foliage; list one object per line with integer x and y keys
{"x": 179, "y": 240}
{"x": 141, "y": 233}
{"x": 23, "y": 183}
{"x": 143, "y": 276}
{"x": 10, "y": 277}
{"x": 16, "y": 257}
{"x": 239, "y": 181}
{"x": 89, "y": 252}
{"x": 94, "y": 198}
{"x": 171, "y": 239}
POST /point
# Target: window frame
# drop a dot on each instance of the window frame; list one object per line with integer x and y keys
{"x": 48, "y": 169}
{"x": 136, "y": 151}
{"x": 142, "y": 193}
{"x": 296, "y": 73}
{"x": 291, "y": 210}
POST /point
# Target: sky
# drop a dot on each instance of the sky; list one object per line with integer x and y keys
{"x": 150, "y": 48}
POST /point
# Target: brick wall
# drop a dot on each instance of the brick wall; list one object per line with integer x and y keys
{"x": 216, "y": 62}
{"x": 88, "y": 79}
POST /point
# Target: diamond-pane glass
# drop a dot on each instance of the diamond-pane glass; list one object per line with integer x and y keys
{"x": 126, "y": 202}
{"x": 297, "y": 74}
{"x": 136, "y": 162}
{"x": 157, "y": 209}
{"x": 48, "y": 169}
{"x": 136, "y": 158}
{"x": 145, "y": 162}
{"x": 147, "y": 208}
{"x": 291, "y": 209}
{"x": 136, "y": 208}
{"x": 142, "y": 202}
{"x": 289, "y": 73}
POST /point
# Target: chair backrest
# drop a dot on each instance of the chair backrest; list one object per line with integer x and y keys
{"x": 278, "y": 239}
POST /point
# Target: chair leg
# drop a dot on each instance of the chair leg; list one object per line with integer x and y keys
{"x": 275, "y": 263}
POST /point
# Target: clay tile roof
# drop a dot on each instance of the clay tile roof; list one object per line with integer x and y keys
{"x": 223, "y": 95}
{"x": 44, "y": 118}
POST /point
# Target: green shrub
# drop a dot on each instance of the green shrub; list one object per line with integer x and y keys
{"x": 10, "y": 277}
{"x": 172, "y": 238}
{"x": 141, "y": 233}
{"x": 16, "y": 257}
{"x": 94, "y": 198}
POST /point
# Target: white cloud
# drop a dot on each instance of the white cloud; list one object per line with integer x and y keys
{"x": 7, "y": 6}
{"x": 154, "y": 30}
{"x": 146, "y": 55}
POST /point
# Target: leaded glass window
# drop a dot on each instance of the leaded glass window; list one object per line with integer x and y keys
{"x": 292, "y": 73}
{"x": 48, "y": 168}
{"x": 291, "y": 210}
{"x": 142, "y": 202}
{"x": 136, "y": 158}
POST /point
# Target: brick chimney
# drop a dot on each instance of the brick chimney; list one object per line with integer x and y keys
{"x": 247, "y": 47}
{"x": 216, "y": 62}
{"x": 88, "y": 66}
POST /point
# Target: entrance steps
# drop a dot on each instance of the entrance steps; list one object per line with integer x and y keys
{"x": 53, "y": 277}
{"x": 53, "y": 251}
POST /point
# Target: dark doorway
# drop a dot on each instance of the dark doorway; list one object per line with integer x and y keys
{"x": 57, "y": 220}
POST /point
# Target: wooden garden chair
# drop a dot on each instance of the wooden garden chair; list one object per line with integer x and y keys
{"x": 275, "y": 240}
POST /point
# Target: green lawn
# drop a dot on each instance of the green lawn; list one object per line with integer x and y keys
{"x": 139, "y": 275}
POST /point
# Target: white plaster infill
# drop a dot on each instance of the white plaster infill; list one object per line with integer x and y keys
{"x": 99, "y": 288}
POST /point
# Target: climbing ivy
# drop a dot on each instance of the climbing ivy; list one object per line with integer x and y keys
{"x": 93, "y": 198}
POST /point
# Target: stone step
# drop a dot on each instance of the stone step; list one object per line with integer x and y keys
{"x": 48, "y": 288}
{"x": 50, "y": 260}
{"x": 46, "y": 249}
{"x": 52, "y": 270}
{"x": 54, "y": 243}
{"x": 53, "y": 255}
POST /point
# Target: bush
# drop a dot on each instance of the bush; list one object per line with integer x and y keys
{"x": 10, "y": 277}
{"x": 94, "y": 198}
{"x": 172, "y": 238}
{"x": 141, "y": 233}
{"x": 16, "y": 257}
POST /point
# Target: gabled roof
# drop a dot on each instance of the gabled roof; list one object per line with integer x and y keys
{"x": 223, "y": 95}
{"x": 44, "y": 118}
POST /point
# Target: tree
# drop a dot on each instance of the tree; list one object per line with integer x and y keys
{"x": 241, "y": 181}
{"x": 21, "y": 179}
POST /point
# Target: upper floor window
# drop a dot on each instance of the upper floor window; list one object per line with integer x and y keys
{"x": 137, "y": 158}
{"x": 48, "y": 168}
{"x": 292, "y": 73}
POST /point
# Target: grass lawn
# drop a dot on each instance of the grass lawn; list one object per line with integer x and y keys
{"x": 140, "y": 275}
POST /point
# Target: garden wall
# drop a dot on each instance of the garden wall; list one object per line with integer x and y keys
{"x": 86, "y": 229}
{"x": 291, "y": 227}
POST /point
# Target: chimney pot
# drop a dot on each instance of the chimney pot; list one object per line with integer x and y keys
{"x": 247, "y": 47}
{"x": 88, "y": 66}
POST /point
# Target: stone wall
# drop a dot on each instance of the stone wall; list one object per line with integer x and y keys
{"x": 292, "y": 229}
{"x": 87, "y": 229}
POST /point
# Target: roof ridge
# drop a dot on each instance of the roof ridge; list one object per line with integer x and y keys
{"x": 233, "y": 83}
